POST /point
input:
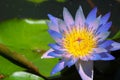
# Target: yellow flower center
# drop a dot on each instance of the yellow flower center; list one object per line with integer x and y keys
{"x": 79, "y": 42}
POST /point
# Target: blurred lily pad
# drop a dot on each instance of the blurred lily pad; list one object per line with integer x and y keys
{"x": 40, "y": 1}
{"x": 23, "y": 76}
{"x": 29, "y": 38}
{"x": 60, "y": 0}
{"x": 36, "y": 1}
{"x": 117, "y": 35}
{"x": 25, "y": 34}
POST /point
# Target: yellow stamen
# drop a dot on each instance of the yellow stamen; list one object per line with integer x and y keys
{"x": 79, "y": 42}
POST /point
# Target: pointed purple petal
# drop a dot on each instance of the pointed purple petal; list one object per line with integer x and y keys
{"x": 86, "y": 58}
{"x": 67, "y": 55}
{"x": 94, "y": 25}
{"x": 53, "y": 24}
{"x": 45, "y": 55}
{"x": 102, "y": 56}
{"x": 79, "y": 17}
{"x": 58, "y": 67}
{"x": 91, "y": 16}
{"x": 105, "y": 27}
{"x": 56, "y": 47}
{"x": 102, "y": 36}
{"x": 53, "y": 19}
{"x": 110, "y": 45}
{"x": 106, "y": 56}
{"x": 71, "y": 62}
{"x": 105, "y": 18}
{"x": 62, "y": 26}
{"x": 56, "y": 36}
{"x": 115, "y": 46}
{"x": 54, "y": 54}
{"x": 68, "y": 18}
{"x": 106, "y": 44}
{"x": 85, "y": 69}
{"x": 99, "y": 50}
{"x": 95, "y": 57}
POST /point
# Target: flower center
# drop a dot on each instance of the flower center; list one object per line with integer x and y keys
{"x": 79, "y": 42}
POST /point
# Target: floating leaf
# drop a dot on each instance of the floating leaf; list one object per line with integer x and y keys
{"x": 36, "y": 1}
{"x": 23, "y": 76}
{"x": 60, "y": 0}
{"x": 30, "y": 39}
{"x": 17, "y": 58}
{"x": 40, "y": 1}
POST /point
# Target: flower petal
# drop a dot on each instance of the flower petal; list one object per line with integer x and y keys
{"x": 105, "y": 27}
{"x": 110, "y": 45}
{"x": 91, "y": 16}
{"x": 62, "y": 26}
{"x": 85, "y": 69}
{"x": 85, "y": 58}
{"x": 54, "y": 54}
{"x": 53, "y": 24}
{"x": 102, "y": 36}
{"x": 102, "y": 56}
{"x": 56, "y": 36}
{"x": 53, "y": 19}
{"x": 115, "y": 46}
{"x": 99, "y": 50}
{"x": 106, "y": 56}
{"x": 71, "y": 62}
{"x": 106, "y": 44}
{"x": 45, "y": 55}
{"x": 58, "y": 67}
{"x": 105, "y": 18}
{"x": 79, "y": 17}
{"x": 67, "y": 55}
{"x": 56, "y": 47}
{"x": 68, "y": 18}
{"x": 95, "y": 57}
{"x": 94, "y": 25}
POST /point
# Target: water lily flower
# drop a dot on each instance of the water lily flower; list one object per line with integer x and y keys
{"x": 80, "y": 41}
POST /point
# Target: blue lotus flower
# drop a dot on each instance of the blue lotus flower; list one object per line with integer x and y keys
{"x": 80, "y": 41}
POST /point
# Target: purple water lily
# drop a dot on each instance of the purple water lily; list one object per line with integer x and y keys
{"x": 80, "y": 41}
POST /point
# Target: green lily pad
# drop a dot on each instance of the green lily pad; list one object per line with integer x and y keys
{"x": 36, "y": 1}
{"x": 29, "y": 38}
{"x": 23, "y": 76}
{"x": 25, "y": 33}
{"x": 60, "y": 0}
{"x": 40, "y": 1}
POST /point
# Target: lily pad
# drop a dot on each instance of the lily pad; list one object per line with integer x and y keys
{"x": 60, "y": 0}
{"x": 40, "y": 1}
{"x": 29, "y": 38}
{"x": 23, "y": 76}
{"x": 36, "y": 1}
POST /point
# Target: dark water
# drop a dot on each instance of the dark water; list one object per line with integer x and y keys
{"x": 10, "y": 9}
{"x": 24, "y": 9}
